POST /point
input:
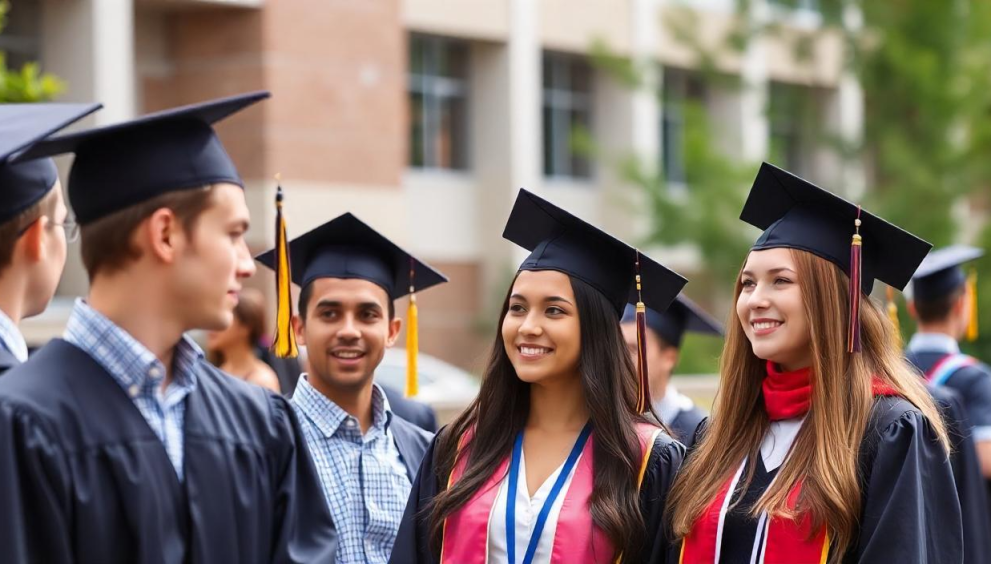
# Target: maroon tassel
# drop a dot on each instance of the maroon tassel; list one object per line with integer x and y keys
{"x": 643, "y": 385}
{"x": 856, "y": 248}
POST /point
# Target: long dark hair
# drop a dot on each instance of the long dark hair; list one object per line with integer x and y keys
{"x": 500, "y": 411}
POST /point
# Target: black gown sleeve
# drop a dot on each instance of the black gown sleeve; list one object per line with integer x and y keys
{"x": 413, "y": 539}
{"x": 911, "y": 513}
{"x": 34, "y": 491}
{"x": 664, "y": 463}
{"x": 304, "y": 530}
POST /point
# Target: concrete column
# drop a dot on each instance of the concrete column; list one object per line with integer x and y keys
{"x": 753, "y": 122}
{"x": 90, "y": 45}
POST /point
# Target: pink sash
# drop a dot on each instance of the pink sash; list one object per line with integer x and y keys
{"x": 576, "y": 538}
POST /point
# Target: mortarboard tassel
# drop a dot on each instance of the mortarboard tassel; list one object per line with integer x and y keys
{"x": 412, "y": 339}
{"x": 972, "y": 332}
{"x": 856, "y": 248}
{"x": 893, "y": 316}
{"x": 643, "y": 385}
{"x": 284, "y": 345}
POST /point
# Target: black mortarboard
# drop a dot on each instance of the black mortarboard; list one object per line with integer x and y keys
{"x": 941, "y": 273}
{"x": 346, "y": 247}
{"x": 23, "y": 182}
{"x": 560, "y": 241}
{"x": 797, "y": 214}
{"x": 121, "y": 165}
{"x": 682, "y": 316}
{"x": 557, "y": 240}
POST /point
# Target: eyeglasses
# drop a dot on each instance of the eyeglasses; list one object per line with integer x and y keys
{"x": 71, "y": 229}
{"x": 70, "y": 226}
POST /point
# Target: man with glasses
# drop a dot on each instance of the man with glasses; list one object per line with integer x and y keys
{"x": 34, "y": 221}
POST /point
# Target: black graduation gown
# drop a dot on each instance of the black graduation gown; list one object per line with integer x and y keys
{"x": 7, "y": 360}
{"x": 967, "y": 477}
{"x": 412, "y": 541}
{"x": 684, "y": 424}
{"x": 83, "y": 478}
{"x": 910, "y": 511}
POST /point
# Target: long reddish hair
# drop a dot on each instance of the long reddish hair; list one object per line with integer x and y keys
{"x": 826, "y": 451}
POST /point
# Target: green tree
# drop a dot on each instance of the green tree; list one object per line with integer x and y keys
{"x": 925, "y": 70}
{"x": 28, "y": 83}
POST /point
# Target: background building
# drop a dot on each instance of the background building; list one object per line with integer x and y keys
{"x": 424, "y": 117}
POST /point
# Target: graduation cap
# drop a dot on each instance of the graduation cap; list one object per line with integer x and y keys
{"x": 796, "y": 214}
{"x": 24, "y": 182}
{"x": 941, "y": 273}
{"x": 346, "y": 247}
{"x": 120, "y": 165}
{"x": 682, "y": 316}
{"x": 557, "y": 240}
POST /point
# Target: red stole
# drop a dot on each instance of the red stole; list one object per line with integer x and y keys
{"x": 786, "y": 395}
{"x": 576, "y": 538}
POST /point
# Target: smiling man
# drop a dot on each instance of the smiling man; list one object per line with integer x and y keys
{"x": 366, "y": 455}
{"x": 120, "y": 443}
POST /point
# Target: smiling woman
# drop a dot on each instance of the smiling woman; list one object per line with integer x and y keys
{"x": 552, "y": 462}
{"x": 822, "y": 445}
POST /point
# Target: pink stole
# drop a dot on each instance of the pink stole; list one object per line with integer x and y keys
{"x": 576, "y": 538}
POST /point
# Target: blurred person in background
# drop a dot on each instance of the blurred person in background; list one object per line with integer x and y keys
{"x": 234, "y": 348}
{"x": 665, "y": 332}
{"x": 34, "y": 222}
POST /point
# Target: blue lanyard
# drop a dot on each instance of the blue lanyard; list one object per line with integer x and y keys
{"x": 514, "y": 476}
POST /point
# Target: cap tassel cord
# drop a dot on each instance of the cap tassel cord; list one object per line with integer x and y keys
{"x": 856, "y": 249}
{"x": 893, "y": 317}
{"x": 972, "y": 326}
{"x": 643, "y": 386}
{"x": 412, "y": 339}
{"x": 284, "y": 345}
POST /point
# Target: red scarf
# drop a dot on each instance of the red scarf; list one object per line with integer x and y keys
{"x": 786, "y": 395}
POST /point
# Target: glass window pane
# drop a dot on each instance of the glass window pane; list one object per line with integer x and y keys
{"x": 548, "y": 129}
{"x": 416, "y": 130}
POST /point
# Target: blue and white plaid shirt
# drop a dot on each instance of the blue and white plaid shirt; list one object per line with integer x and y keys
{"x": 140, "y": 373}
{"x": 364, "y": 478}
{"x": 11, "y": 338}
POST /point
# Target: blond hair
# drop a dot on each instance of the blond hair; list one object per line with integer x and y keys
{"x": 825, "y": 453}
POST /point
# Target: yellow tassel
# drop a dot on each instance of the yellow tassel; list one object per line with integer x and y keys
{"x": 284, "y": 345}
{"x": 412, "y": 338}
{"x": 893, "y": 316}
{"x": 412, "y": 343}
{"x": 972, "y": 332}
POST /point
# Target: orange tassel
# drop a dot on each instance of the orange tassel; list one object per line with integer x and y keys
{"x": 412, "y": 339}
{"x": 972, "y": 328}
{"x": 893, "y": 317}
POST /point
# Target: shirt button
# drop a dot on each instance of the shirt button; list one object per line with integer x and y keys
{"x": 350, "y": 423}
{"x": 133, "y": 390}
{"x": 154, "y": 372}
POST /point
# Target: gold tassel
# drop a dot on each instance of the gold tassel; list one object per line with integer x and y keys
{"x": 284, "y": 345}
{"x": 412, "y": 339}
{"x": 972, "y": 332}
{"x": 893, "y": 316}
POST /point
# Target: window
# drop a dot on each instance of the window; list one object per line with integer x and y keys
{"x": 801, "y": 5}
{"x": 438, "y": 99}
{"x": 794, "y": 126}
{"x": 20, "y": 37}
{"x": 567, "y": 111}
{"x": 680, "y": 88}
